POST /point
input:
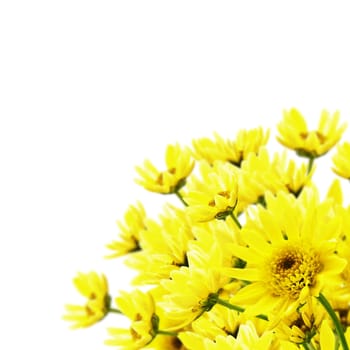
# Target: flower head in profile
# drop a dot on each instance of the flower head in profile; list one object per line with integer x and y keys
{"x": 214, "y": 193}
{"x": 341, "y": 160}
{"x": 293, "y": 176}
{"x": 179, "y": 165}
{"x": 95, "y": 289}
{"x": 218, "y": 321}
{"x": 190, "y": 292}
{"x": 164, "y": 247}
{"x": 139, "y": 308}
{"x": 233, "y": 151}
{"x": 294, "y": 133}
{"x": 257, "y": 176}
{"x": 130, "y": 228}
{"x": 211, "y": 247}
{"x": 261, "y": 173}
{"x": 290, "y": 251}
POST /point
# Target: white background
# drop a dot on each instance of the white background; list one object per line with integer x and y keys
{"x": 89, "y": 89}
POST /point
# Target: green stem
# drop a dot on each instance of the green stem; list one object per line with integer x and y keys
{"x": 308, "y": 346}
{"x": 237, "y": 308}
{"x": 116, "y": 311}
{"x": 311, "y": 163}
{"x": 338, "y": 327}
{"x": 181, "y": 199}
{"x": 229, "y": 306}
{"x": 172, "y": 334}
{"x": 233, "y": 216}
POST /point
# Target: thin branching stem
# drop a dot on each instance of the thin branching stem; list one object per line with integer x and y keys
{"x": 181, "y": 199}
{"x": 116, "y": 311}
{"x": 237, "y": 308}
{"x": 233, "y": 216}
{"x": 311, "y": 163}
{"x": 172, "y": 334}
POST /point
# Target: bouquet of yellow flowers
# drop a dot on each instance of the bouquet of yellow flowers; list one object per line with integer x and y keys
{"x": 253, "y": 257}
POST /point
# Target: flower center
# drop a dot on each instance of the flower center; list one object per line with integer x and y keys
{"x": 224, "y": 194}
{"x": 160, "y": 179}
{"x": 321, "y": 138}
{"x": 292, "y": 269}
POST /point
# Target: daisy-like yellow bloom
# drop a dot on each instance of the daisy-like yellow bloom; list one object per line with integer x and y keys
{"x": 290, "y": 251}
{"x": 303, "y": 324}
{"x": 191, "y": 291}
{"x": 341, "y": 160}
{"x": 247, "y": 338}
{"x": 95, "y": 289}
{"x": 139, "y": 308}
{"x": 325, "y": 338}
{"x": 257, "y": 176}
{"x": 214, "y": 194}
{"x": 218, "y": 321}
{"x": 211, "y": 247}
{"x": 294, "y": 133}
{"x": 164, "y": 247}
{"x": 294, "y": 177}
{"x": 179, "y": 164}
{"x": 233, "y": 151}
{"x": 129, "y": 234}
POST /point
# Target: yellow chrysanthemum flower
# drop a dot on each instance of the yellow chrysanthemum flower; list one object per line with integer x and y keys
{"x": 95, "y": 289}
{"x": 218, "y": 321}
{"x": 260, "y": 174}
{"x": 139, "y": 308}
{"x": 290, "y": 250}
{"x": 257, "y": 176}
{"x": 303, "y": 324}
{"x": 341, "y": 160}
{"x": 294, "y": 177}
{"x": 129, "y": 236}
{"x": 214, "y": 194}
{"x": 247, "y": 338}
{"x": 179, "y": 165}
{"x": 325, "y": 338}
{"x": 164, "y": 247}
{"x": 211, "y": 247}
{"x": 189, "y": 292}
{"x": 294, "y": 133}
{"x": 233, "y": 151}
